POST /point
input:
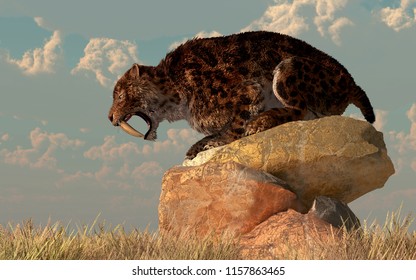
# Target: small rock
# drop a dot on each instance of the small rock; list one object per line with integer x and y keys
{"x": 335, "y": 212}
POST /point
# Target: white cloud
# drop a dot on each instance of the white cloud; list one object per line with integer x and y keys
{"x": 325, "y": 13}
{"x": 405, "y": 143}
{"x": 282, "y": 17}
{"x": 293, "y": 18}
{"x": 111, "y": 151}
{"x": 144, "y": 175}
{"x": 104, "y": 174}
{"x": 182, "y": 137}
{"x": 41, "y": 22}
{"x": 411, "y": 114}
{"x": 42, "y": 152}
{"x": 146, "y": 169}
{"x": 400, "y": 18}
{"x": 107, "y": 59}
{"x": 5, "y": 137}
{"x": 179, "y": 140}
{"x": 119, "y": 166}
{"x": 70, "y": 178}
{"x": 202, "y": 34}
{"x": 414, "y": 165}
{"x": 116, "y": 164}
{"x": 381, "y": 119}
{"x": 40, "y": 60}
{"x": 147, "y": 149}
{"x": 127, "y": 165}
{"x": 335, "y": 28}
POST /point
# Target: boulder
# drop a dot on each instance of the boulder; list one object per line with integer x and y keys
{"x": 292, "y": 235}
{"x": 288, "y": 235}
{"x": 283, "y": 192}
{"x": 335, "y": 156}
{"x": 221, "y": 197}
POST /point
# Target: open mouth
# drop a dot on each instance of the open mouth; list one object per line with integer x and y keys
{"x": 131, "y": 130}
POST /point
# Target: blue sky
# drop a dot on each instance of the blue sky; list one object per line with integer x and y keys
{"x": 62, "y": 160}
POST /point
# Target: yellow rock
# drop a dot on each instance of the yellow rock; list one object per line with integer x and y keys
{"x": 335, "y": 156}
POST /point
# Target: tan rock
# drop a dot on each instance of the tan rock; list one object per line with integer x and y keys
{"x": 334, "y": 156}
{"x": 288, "y": 235}
{"x": 217, "y": 198}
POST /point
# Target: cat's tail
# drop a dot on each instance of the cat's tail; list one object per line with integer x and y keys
{"x": 360, "y": 99}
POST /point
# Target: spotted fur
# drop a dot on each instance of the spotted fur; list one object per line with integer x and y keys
{"x": 234, "y": 86}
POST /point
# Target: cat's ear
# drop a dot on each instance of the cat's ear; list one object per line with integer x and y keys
{"x": 134, "y": 71}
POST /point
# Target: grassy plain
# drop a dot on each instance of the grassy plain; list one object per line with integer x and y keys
{"x": 26, "y": 241}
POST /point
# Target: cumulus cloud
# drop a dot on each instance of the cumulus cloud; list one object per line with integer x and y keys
{"x": 381, "y": 119}
{"x": 41, "y": 22}
{"x": 201, "y": 34}
{"x": 283, "y": 17}
{"x": 178, "y": 140}
{"x": 42, "y": 152}
{"x": 121, "y": 166}
{"x": 111, "y": 151}
{"x": 77, "y": 176}
{"x": 411, "y": 114}
{"x": 127, "y": 165}
{"x": 40, "y": 60}
{"x": 107, "y": 59}
{"x": 146, "y": 169}
{"x": 293, "y": 18}
{"x": 414, "y": 165}
{"x": 405, "y": 142}
{"x": 400, "y": 18}
{"x": 5, "y": 137}
{"x": 325, "y": 13}
{"x": 335, "y": 28}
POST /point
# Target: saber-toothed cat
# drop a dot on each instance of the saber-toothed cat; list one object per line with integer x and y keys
{"x": 233, "y": 86}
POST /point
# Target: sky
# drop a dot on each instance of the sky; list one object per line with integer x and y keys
{"x": 62, "y": 160}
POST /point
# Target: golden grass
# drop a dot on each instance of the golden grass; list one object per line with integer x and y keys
{"x": 27, "y": 242}
{"x": 392, "y": 241}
